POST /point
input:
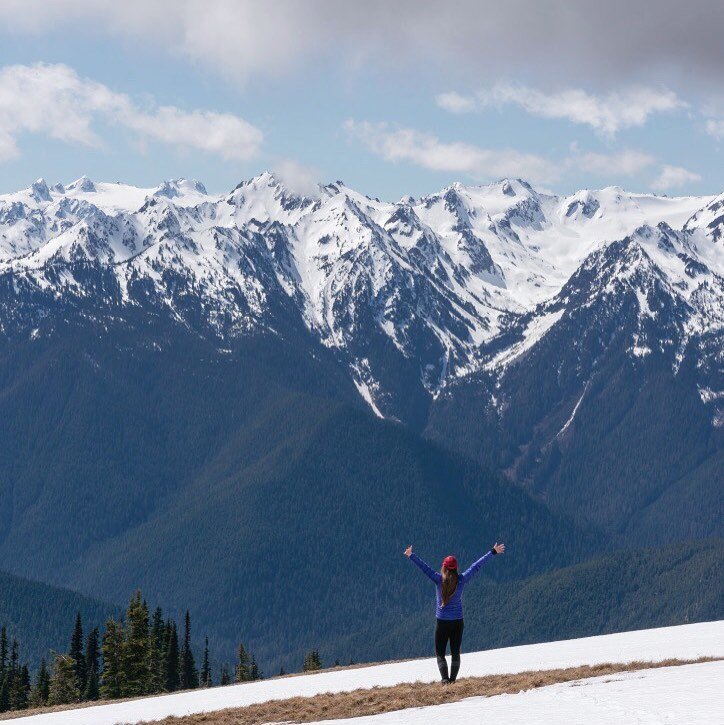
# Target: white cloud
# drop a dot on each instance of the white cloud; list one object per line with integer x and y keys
{"x": 54, "y": 100}
{"x": 456, "y": 102}
{"x": 671, "y": 177}
{"x": 607, "y": 113}
{"x": 428, "y": 151}
{"x": 715, "y": 128}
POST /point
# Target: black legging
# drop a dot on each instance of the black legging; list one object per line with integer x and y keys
{"x": 448, "y": 629}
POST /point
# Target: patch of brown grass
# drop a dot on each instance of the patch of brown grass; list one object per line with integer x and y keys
{"x": 378, "y": 700}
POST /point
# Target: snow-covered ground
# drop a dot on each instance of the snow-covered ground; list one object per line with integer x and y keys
{"x": 684, "y": 642}
{"x": 691, "y": 694}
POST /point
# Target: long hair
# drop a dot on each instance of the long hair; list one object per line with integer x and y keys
{"x": 449, "y": 584}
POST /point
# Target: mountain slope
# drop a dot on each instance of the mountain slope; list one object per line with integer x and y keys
{"x": 231, "y": 480}
{"x": 41, "y": 617}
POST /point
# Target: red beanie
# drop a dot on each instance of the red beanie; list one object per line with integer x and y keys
{"x": 450, "y": 562}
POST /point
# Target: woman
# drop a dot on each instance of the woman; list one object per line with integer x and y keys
{"x": 449, "y": 610}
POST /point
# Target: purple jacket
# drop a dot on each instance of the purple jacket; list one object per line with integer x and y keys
{"x": 454, "y": 608}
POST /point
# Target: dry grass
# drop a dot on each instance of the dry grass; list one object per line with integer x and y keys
{"x": 400, "y": 697}
{"x": 378, "y": 700}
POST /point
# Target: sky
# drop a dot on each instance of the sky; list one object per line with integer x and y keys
{"x": 393, "y": 98}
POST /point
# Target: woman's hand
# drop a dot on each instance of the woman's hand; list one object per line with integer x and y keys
{"x": 408, "y": 550}
{"x": 498, "y": 548}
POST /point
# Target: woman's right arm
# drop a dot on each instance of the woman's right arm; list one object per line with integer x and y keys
{"x": 427, "y": 570}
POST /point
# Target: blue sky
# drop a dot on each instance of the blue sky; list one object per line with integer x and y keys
{"x": 391, "y": 98}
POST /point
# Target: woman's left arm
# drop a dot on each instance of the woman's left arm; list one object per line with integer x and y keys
{"x": 470, "y": 572}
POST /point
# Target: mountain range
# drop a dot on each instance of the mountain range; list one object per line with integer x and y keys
{"x": 224, "y": 397}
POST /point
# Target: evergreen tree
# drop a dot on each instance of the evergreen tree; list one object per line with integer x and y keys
{"x": 156, "y": 677}
{"x": 20, "y": 689}
{"x": 3, "y": 651}
{"x": 76, "y": 653}
{"x": 40, "y": 692}
{"x": 63, "y": 683}
{"x": 135, "y": 651}
{"x": 5, "y": 682}
{"x": 189, "y": 673}
{"x": 171, "y": 658}
{"x": 312, "y": 661}
{"x": 93, "y": 653}
{"x": 282, "y": 672}
{"x": 112, "y": 684}
{"x": 205, "y": 668}
{"x": 225, "y": 679}
{"x": 92, "y": 689}
{"x": 242, "y": 671}
{"x": 254, "y": 673}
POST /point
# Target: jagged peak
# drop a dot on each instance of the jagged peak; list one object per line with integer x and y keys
{"x": 83, "y": 184}
{"x": 39, "y": 190}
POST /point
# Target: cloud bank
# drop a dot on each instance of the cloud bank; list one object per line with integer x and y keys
{"x": 606, "y": 114}
{"x": 55, "y": 101}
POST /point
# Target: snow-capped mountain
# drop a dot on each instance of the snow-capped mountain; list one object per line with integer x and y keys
{"x": 430, "y": 289}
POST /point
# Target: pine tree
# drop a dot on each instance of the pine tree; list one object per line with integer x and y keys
{"x": 76, "y": 653}
{"x": 5, "y": 682}
{"x": 155, "y": 653}
{"x": 171, "y": 658}
{"x": 20, "y": 689}
{"x": 189, "y": 673}
{"x": 312, "y": 661}
{"x": 242, "y": 671}
{"x": 39, "y": 693}
{"x": 63, "y": 683}
{"x": 205, "y": 668}
{"x": 254, "y": 673}
{"x": 3, "y": 651}
{"x": 93, "y": 653}
{"x": 112, "y": 684}
{"x": 92, "y": 690}
{"x": 282, "y": 672}
{"x": 134, "y": 659}
{"x": 225, "y": 679}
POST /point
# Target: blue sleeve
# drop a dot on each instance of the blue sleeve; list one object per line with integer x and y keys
{"x": 429, "y": 571}
{"x": 473, "y": 570}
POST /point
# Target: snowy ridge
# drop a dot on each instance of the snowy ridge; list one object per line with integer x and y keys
{"x": 438, "y": 278}
{"x": 688, "y": 642}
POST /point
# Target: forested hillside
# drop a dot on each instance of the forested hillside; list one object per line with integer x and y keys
{"x": 41, "y": 616}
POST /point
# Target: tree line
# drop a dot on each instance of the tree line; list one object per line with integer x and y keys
{"x": 143, "y": 654}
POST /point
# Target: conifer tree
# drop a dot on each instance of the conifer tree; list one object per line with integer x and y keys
{"x": 225, "y": 678}
{"x": 39, "y": 693}
{"x": 92, "y": 688}
{"x": 112, "y": 684}
{"x": 242, "y": 671}
{"x": 76, "y": 653}
{"x": 20, "y": 689}
{"x": 92, "y": 652}
{"x": 171, "y": 659}
{"x": 5, "y": 682}
{"x": 134, "y": 658}
{"x": 282, "y": 672}
{"x": 156, "y": 677}
{"x": 312, "y": 661}
{"x": 254, "y": 673}
{"x": 205, "y": 667}
{"x": 63, "y": 683}
{"x": 3, "y": 651}
{"x": 189, "y": 673}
